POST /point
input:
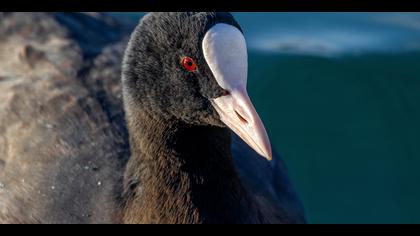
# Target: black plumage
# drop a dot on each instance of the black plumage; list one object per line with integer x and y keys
{"x": 185, "y": 165}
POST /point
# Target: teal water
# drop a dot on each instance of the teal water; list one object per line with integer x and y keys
{"x": 339, "y": 94}
{"x": 349, "y": 131}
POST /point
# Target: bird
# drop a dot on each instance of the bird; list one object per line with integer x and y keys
{"x": 198, "y": 150}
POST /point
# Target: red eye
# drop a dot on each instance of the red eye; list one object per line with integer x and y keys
{"x": 188, "y": 63}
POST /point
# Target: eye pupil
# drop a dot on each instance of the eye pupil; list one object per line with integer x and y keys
{"x": 189, "y": 64}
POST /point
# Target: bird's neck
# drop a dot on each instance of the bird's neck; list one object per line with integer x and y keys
{"x": 180, "y": 173}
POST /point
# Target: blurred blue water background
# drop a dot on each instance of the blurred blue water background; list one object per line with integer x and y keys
{"x": 340, "y": 96}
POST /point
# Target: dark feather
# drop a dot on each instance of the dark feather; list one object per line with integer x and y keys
{"x": 64, "y": 142}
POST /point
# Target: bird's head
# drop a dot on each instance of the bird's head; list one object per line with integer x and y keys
{"x": 193, "y": 67}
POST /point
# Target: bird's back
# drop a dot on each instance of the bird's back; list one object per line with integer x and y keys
{"x": 61, "y": 158}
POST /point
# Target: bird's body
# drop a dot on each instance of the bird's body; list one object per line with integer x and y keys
{"x": 64, "y": 161}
